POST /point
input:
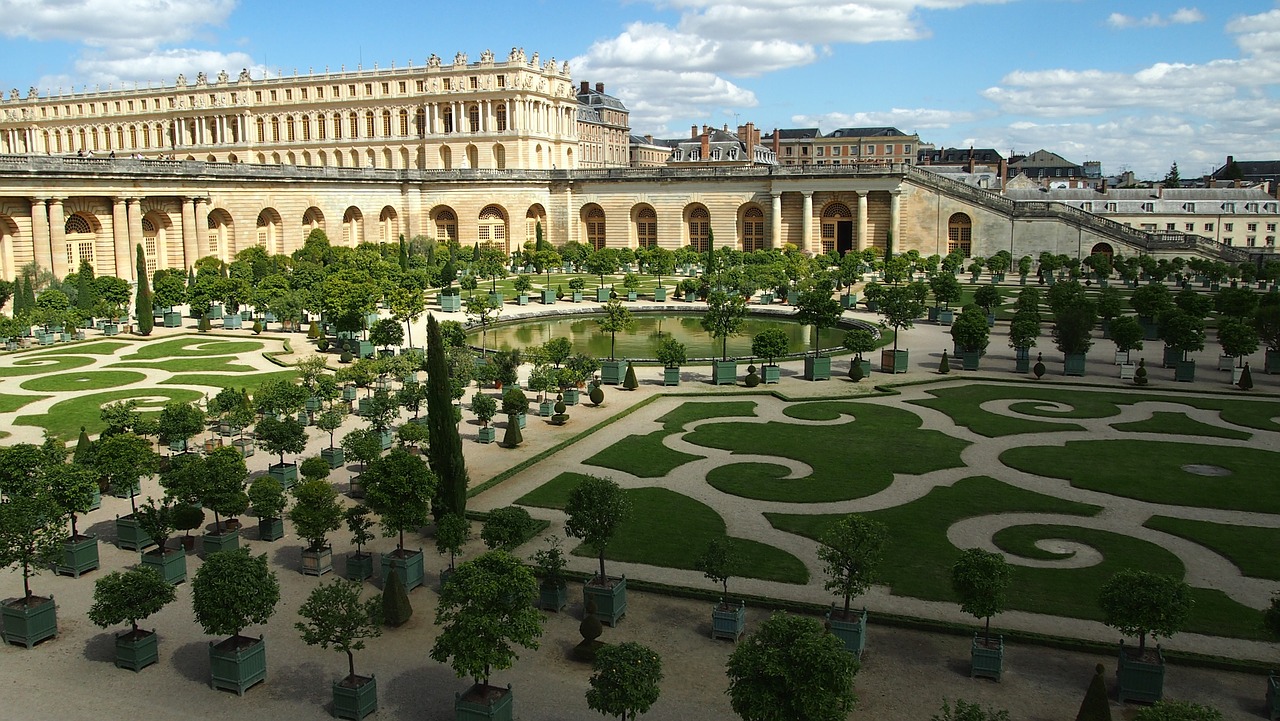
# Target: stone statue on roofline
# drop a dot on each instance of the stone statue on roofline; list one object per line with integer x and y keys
{"x": 244, "y": 75}
{"x": 223, "y": 78}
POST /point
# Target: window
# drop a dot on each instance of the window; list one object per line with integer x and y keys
{"x": 337, "y": 126}
{"x": 257, "y": 96}
{"x": 906, "y": 150}
{"x": 288, "y": 94}
{"x": 475, "y": 83}
{"x": 699, "y": 228}
{"x": 1250, "y": 241}
{"x": 386, "y": 88}
{"x": 647, "y": 228}
{"x": 1252, "y": 227}
{"x": 304, "y": 93}
{"x": 500, "y": 114}
{"x": 789, "y": 149}
{"x": 1170, "y": 226}
{"x": 1189, "y": 227}
{"x": 273, "y": 96}
{"x": 275, "y": 129}
{"x": 595, "y": 227}
{"x": 354, "y": 124}
{"x": 753, "y": 230}
{"x": 1148, "y": 207}
{"x": 368, "y": 89}
{"x": 502, "y": 81}
{"x": 492, "y": 227}
{"x": 1271, "y": 227}
{"x": 1228, "y": 207}
{"x": 368, "y": 124}
{"x": 288, "y": 127}
{"x": 835, "y": 151}
{"x": 821, "y": 151}
{"x": 473, "y": 118}
{"x": 888, "y": 150}
{"x": 1251, "y": 207}
{"x": 1208, "y": 227}
{"x": 421, "y": 86}
{"x": 1228, "y": 227}
{"x": 870, "y": 150}
{"x": 386, "y": 122}
{"x": 960, "y": 234}
{"x": 446, "y": 225}
{"x": 446, "y": 118}
{"x": 351, "y": 90}
{"x": 1111, "y": 207}
{"x": 448, "y": 83}
{"x": 1189, "y": 207}
{"x": 262, "y": 130}
{"x": 404, "y": 123}
{"x": 306, "y": 127}
{"x": 320, "y": 91}
{"x": 715, "y": 154}
{"x": 402, "y": 87}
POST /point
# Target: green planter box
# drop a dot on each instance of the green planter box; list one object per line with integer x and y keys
{"x": 285, "y": 473}
{"x": 522, "y": 299}
{"x": 553, "y": 597}
{"x": 848, "y": 301}
{"x": 853, "y": 632}
{"x": 27, "y": 626}
{"x": 488, "y": 434}
{"x": 409, "y": 567}
{"x": 317, "y": 561}
{"x": 364, "y": 349}
{"x": 1140, "y": 680}
{"x": 724, "y": 372}
{"x": 1171, "y": 357}
{"x": 110, "y": 329}
{"x": 631, "y": 296}
{"x": 129, "y": 536}
{"x": 1022, "y": 362}
{"x": 450, "y": 303}
{"x": 237, "y": 663}
{"x": 136, "y": 651}
{"x": 216, "y": 542}
{"x": 522, "y": 420}
{"x": 1273, "y": 697}
{"x": 232, "y": 322}
{"x": 245, "y": 447}
{"x": 484, "y": 703}
{"x": 572, "y": 396}
{"x": 172, "y": 320}
{"x": 386, "y": 438}
{"x": 79, "y": 555}
{"x": 363, "y": 406}
{"x": 946, "y": 316}
{"x": 355, "y": 697}
{"x": 335, "y": 456}
{"x": 969, "y": 359}
{"x": 728, "y": 621}
{"x": 866, "y": 367}
{"x": 1272, "y": 361}
{"x": 577, "y": 296}
{"x": 602, "y": 295}
{"x": 497, "y": 299}
{"x": 359, "y": 567}
{"x": 546, "y": 408}
{"x": 611, "y": 601}
{"x": 660, "y": 295}
{"x": 548, "y": 297}
{"x": 773, "y": 373}
{"x": 171, "y": 564}
{"x": 1073, "y": 364}
{"x": 892, "y": 361}
{"x": 816, "y": 369}
{"x": 671, "y": 376}
{"x": 270, "y": 529}
{"x": 348, "y": 393}
{"x": 1185, "y": 371}
{"x": 766, "y": 298}
{"x": 612, "y": 372}
{"x": 986, "y": 661}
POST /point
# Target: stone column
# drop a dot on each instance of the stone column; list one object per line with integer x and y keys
{"x": 40, "y": 232}
{"x": 120, "y": 238}
{"x": 201, "y": 227}
{"x": 807, "y": 243}
{"x": 188, "y": 232}
{"x": 895, "y": 218}
{"x": 57, "y": 238}
{"x": 775, "y": 222}
{"x": 133, "y": 209}
{"x": 863, "y": 242}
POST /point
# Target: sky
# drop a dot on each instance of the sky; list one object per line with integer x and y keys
{"x": 1135, "y": 84}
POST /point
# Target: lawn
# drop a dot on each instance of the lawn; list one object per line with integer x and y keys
{"x": 1180, "y": 424}
{"x": 65, "y": 418}
{"x": 249, "y": 381}
{"x": 1250, "y": 548}
{"x": 647, "y": 536}
{"x": 10, "y": 403}
{"x": 1152, "y": 471}
{"x": 679, "y": 418}
{"x": 85, "y": 381}
{"x": 35, "y": 365}
{"x": 197, "y": 346}
{"x": 216, "y": 364}
{"x": 848, "y": 460}
{"x": 103, "y": 347}
{"x": 642, "y": 456}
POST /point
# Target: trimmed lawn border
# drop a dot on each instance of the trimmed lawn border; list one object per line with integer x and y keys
{"x": 99, "y": 347}
{"x": 247, "y": 381}
{"x": 1250, "y": 548}
{"x": 215, "y": 364}
{"x": 86, "y": 381}
{"x": 37, "y": 365}
{"x": 65, "y": 418}
{"x": 1179, "y": 424}
{"x": 180, "y": 348}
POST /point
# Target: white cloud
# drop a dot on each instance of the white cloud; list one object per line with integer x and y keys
{"x": 906, "y": 119}
{"x": 135, "y": 23}
{"x": 163, "y": 65}
{"x": 1181, "y": 16}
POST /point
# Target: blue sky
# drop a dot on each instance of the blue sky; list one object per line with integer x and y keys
{"x": 1136, "y": 84}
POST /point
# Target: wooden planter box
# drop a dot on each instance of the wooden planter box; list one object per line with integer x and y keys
{"x": 577, "y": 296}
{"x": 245, "y": 446}
{"x": 892, "y": 361}
{"x": 129, "y": 536}
{"x": 355, "y": 697}
{"x": 817, "y": 369}
{"x": 728, "y": 621}
{"x": 488, "y": 434}
{"x": 546, "y": 408}
{"x": 28, "y": 625}
{"x": 660, "y": 295}
{"x": 1073, "y": 364}
{"x": 334, "y": 456}
{"x": 985, "y": 661}
{"x": 216, "y": 542}
{"x": 946, "y": 316}
{"x": 1272, "y": 361}
{"x": 232, "y": 322}
{"x": 450, "y": 303}
{"x": 1273, "y": 697}
{"x": 1171, "y": 357}
{"x": 172, "y": 320}
{"x": 572, "y": 396}
{"x": 602, "y": 295}
{"x": 171, "y": 564}
{"x": 285, "y": 473}
{"x": 548, "y": 297}
{"x": 410, "y": 568}
{"x": 969, "y": 359}
{"x": 484, "y": 703}
{"x": 270, "y": 529}
{"x": 317, "y": 561}
{"x": 724, "y": 372}
{"x": 553, "y": 597}
{"x": 79, "y": 555}
{"x": 136, "y": 651}
{"x": 611, "y": 601}
{"x": 237, "y": 663}
{"x": 853, "y": 632}
{"x": 612, "y": 371}
{"x": 1139, "y": 680}
{"x": 1185, "y": 371}
{"x": 386, "y": 438}
{"x": 359, "y": 566}
{"x": 497, "y": 299}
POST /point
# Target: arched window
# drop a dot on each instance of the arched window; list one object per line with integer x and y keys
{"x": 219, "y": 233}
{"x": 306, "y": 127}
{"x": 337, "y": 126}
{"x": 446, "y": 118}
{"x": 536, "y": 214}
{"x": 388, "y": 225}
{"x": 473, "y": 118}
{"x": 647, "y": 228}
{"x": 700, "y": 229}
{"x": 80, "y": 240}
{"x": 500, "y": 113}
{"x": 1102, "y": 249}
{"x": 268, "y": 231}
{"x": 753, "y": 229}
{"x": 77, "y": 224}
{"x": 275, "y": 129}
{"x": 352, "y": 221}
{"x": 312, "y": 219}
{"x": 262, "y": 130}
{"x": 288, "y": 128}
{"x": 386, "y": 123}
{"x": 404, "y": 123}
{"x": 368, "y": 125}
{"x": 446, "y": 225}
{"x": 595, "y": 227}
{"x": 420, "y": 122}
{"x": 833, "y": 217}
{"x": 354, "y": 119}
{"x": 960, "y": 234}
{"x": 493, "y": 227}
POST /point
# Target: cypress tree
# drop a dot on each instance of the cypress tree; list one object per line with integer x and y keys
{"x": 19, "y": 296}
{"x": 445, "y": 451}
{"x": 396, "y": 609}
{"x": 86, "y": 290}
{"x": 84, "y": 447}
{"x": 191, "y": 277}
{"x": 404, "y": 254}
{"x": 142, "y": 302}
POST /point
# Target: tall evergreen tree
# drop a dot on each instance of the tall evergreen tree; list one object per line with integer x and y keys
{"x": 142, "y": 302}
{"x": 445, "y": 451}
{"x": 404, "y": 254}
{"x": 86, "y": 289}
{"x": 1172, "y": 179}
{"x": 29, "y": 294}
{"x": 19, "y": 296}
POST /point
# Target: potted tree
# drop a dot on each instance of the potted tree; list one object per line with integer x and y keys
{"x": 268, "y": 501}
{"x": 485, "y": 407}
{"x": 178, "y": 423}
{"x": 156, "y": 519}
{"x": 280, "y": 437}
{"x": 660, "y": 262}
{"x": 1074, "y": 319}
{"x": 988, "y": 299}
{"x": 523, "y": 283}
{"x": 549, "y": 563}
{"x": 1238, "y": 339}
{"x": 484, "y": 612}
{"x": 223, "y": 493}
{"x": 515, "y": 406}
{"x": 596, "y": 508}
{"x": 1127, "y": 334}
{"x": 72, "y": 487}
{"x": 625, "y": 679}
{"x": 724, "y": 318}
{"x": 717, "y": 563}
{"x": 791, "y": 669}
{"x": 399, "y": 488}
{"x": 576, "y": 286}
{"x": 364, "y": 445}
{"x": 900, "y": 306}
{"x": 1266, "y": 320}
{"x": 1024, "y": 329}
{"x": 330, "y": 420}
{"x": 671, "y": 353}
{"x": 1141, "y": 603}
{"x": 770, "y": 344}
{"x": 359, "y": 563}
{"x": 121, "y": 461}
{"x": 31, "y": 535}
{"x": 315, "y": 513}
{"x": 631, "y": 282}
{"x": 859, "y": 341}
{"x": 616, "y": 317}
{"x": 1182, "y": 333}
{"x": 850, "y": 551}
{"x": 971, "y": 335}
{"x": 946, "y": 290}
{"x": 131, "y": 596}
{"x": 452, "y": 533}
{"x": 335, "y": 616}
{"x": 980, "y": 578}
{"x": 230, "y": 591}
{"x": 506, "y": 528}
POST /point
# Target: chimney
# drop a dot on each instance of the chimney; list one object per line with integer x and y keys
{"x": 1004, "y": 173}
{"x": 970, "y": 163}
{"x": 706, "y": 145}
{"x": 600, "y": 88}
{"x": 1103, "y": 187}
{"x": 586, "y": 87}
{"x": 693, "y": 131}
{"x": 777, "y": 143}
{"x": 648, "y": 139}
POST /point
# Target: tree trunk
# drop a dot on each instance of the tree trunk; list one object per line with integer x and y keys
{"x": 602, "y": 576}
{"x": 351, "y": 663}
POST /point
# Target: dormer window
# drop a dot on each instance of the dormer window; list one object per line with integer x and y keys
{"x": 715, "y": 154}
{"x": 1189, "y": 207}
{"x": 1228, "y": 207}
{"x": 1148, "y": 207}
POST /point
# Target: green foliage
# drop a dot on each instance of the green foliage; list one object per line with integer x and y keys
{"x": 1073, "y": 323}
{"x": 314, "y": 468}
{"x": 770, "y": 343}
{"x": 630, "y": 382}
{"x": 452, "y": 533}
{"x": 1167, "y": 710}
{"x": 485, "y": 611}
{"x": 399, "y": 487}
{"x": 596, "y": 395}
{"x": 233, "y": 589}
{"x": 1127, "y": 333}
{"x": 791, "y": 668}
{"x": 625, "y": 679}
{"x": 156, "y": 520}
{"x": 550, "y": 562}
{"x": 901, "y": 305}
{"x": 1237, "y": 337}
{"x": 970, "y": 329}
{"x": 946, "y": 289}
{"x": 142, "y": 301}
{"x": 1095, "y": 706}
{"x": 266, "y": 495}
{"x": 335, "y": 616}
{"x": 506, "y": 528}
{"x": 316, "y": 512}
{"x": 595, "y": 509}
{"x": 222, "y": 487}
{"x": 717, "y": 563}
{"x": 281, "y": 436}
{"x": 1141, "y": 603}
{"x": 30, "y": 531}
{"x": 724, "y": 317}
{"x": 671, "y": 352}
{"x": 980, "y": 579}
{"x": 850, "y": 552}
{"x": 71, "y": 487}
{"x": 180, "y": 422}
{"x": 484, "y": 406}
{"x": 987, "y": 297}
{"x": 857, "y": 341}
{"x": 944, "y": 367}
{"x": 359, "y": 524}
{"x": 965, "y": 711}
{"x": 445, "y": 451}
{"x": 616, "y": 317}
{"x": 131, "y": 595}
{"x": 187, "y": 517}
{"x": 396, "y": 608}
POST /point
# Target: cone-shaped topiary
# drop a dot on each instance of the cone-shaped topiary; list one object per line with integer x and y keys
{"x": 596, "y": 395}
{"x": 84, "y": 447}
{"x": 257, "y": 327}
{"x": 512, "y": 437}
{"x": 1140, "y": 375}
{"x": 314, "y": 331}
{"x": 945, "y": 366}
{"x": 629, "y": 382}
{"x": 1095, "y": 706}
{"x": 1246, "y": 378}
{"x": 204, "y": 326}
{"x": 396, "y": 609}
{"x": 1038, "y": 368}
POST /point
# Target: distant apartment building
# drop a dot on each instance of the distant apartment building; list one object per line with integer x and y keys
{"x": 604, "y": 129}
{"x": 719, "y": 147}
{"x": 981, "y": 167}
{"x": 844, "y": 146}
{"x": 1047, "y": 169}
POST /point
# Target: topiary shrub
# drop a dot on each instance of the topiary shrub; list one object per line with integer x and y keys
{"x": 629, "y": 382}
{"x": 187, "y": 518}
{"x": 1095, "y": 706}
{"x": 204, "y": 326}
{"x": 596, "y": 395}
{"x": 753, "y": 378}
{"x": 322, "y": 345}
{"x": 314, "y": 468}
{"x": 512, "y": 437}
{"x": 396, "y": 609}
{"x": 313, "y": 332}
{"x": 257, "y": 327}
{"x": 1038, "y": 368}
{"x": 1140, "y": 375}
{"x": 855, "y": 371}
{"x": 506, "y": 528}
{"x": 1246, "y": 378}
{"x": 945, "y": 366}
{"x": 590, "y": 628}
{"x": 345, "y": 357}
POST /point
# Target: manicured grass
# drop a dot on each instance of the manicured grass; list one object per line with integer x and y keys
{"x": 102, "y": 347}
{"x": 11, "y": 403}
{"x": 849, "y": 460}
{"x": 1250, "y": 548}
{"x": 1180, "y": 424}
{"x": 34, "y": 365}
{"x": 643, "y": 456}
{"x": 552, "y": 494}
{"x": 65, "y": 418}
{"x": 188, "y": 347}
{"x": 1152, "y": 471}
{"x": 85, "y": 381}
{"x": 217, "y": 364}
{"x": 249, "y": 382}
{"x": 691, "y": 411}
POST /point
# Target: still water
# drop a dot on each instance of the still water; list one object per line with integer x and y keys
{"x": 643, "y": 338}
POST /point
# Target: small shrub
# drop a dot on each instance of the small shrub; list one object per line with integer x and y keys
{"x": 1095, "y": 706}
{"x": 322, "y": 345}
{"x": 596, "y": 395}
{"x": 257, "y": 327}
{"x": 512, "y": 437}
{"x": 855, "y": 371}
{"x": 345, "y": 357}
{"x": 945, "y": 366}
{"x": 629, "y": 382}
{"x": 965, "y": 711}
{"x": 313, "y": 332}
{"x": 1140, "y": 375}
{"x": 314, "y": 468}
{"x": 396, "y": 609}
{"x": 506, "y": 528}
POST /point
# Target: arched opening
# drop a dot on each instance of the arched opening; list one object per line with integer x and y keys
{"x": 960, "y": 234}
{"x": 752, "y": 228}
{"x": 1103, "y": 249}
{"x": 499, "y": 156}
{"x": 446, "y": 223}
{"x": 312, "y": 219}
{"x": 220, "y": 234}
{"x": 837, "y": 228}
{"x": 532, "y": 218}
{"x": 8, "y": 237}
{"x": 492, "y": 228}
{"x": 473, "y": 157}
{"x": 593, "y": 218}
{"x": 646, "y": 220}
{"x": 81, "y": 235}
{"x": 698, "y": 219}
{"x": 446, "y": 157}
{"x": 268, "y": 231}
{"x": 352, "y": 222}
{"x": 155, "y": 240}
{"x": 388, "y": 225}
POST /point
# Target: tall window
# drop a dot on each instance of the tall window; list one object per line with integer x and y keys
{"x": 699, "y": 229}
{"x": 501, "y": 113}
{"x": 647, "y": 228}
{"x": 150, "y": 245}
{"x": 368, "y": 124}
{"x": 960, "y": 234}
{"x": 832, "y": 215}
{"x": 473, "y": 117}
{"x": 446, "y": 118}
{"x": 306, "y": 127}
{"x": 262, "y": 130}
{"x": 386, "y": 123}
{"x": 288, "y": 127}
{"x": 493, "y": 227}
{"x": 446, "y": 225}
{"x": 595, "y": 227}
{"x": 753, "y": 230}
{"x": 404, "y": 123}
{"x": 337, "y": 126}
{"x": 354, "y": 119}
{"x": 275, "y": 130}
